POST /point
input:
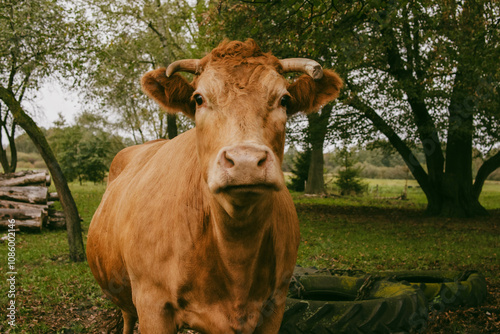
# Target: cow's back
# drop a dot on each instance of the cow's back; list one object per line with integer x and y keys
{"x": 138, "y": 154}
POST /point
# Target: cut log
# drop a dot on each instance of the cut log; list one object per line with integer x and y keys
{"x": 16, "y": 174}
{"x": 57, "y": 224}
{"x": 28, "y": 225}
{"x": 57, "y": 220}
{"x": 6, "y": 214}
{"x": 25, "y": 194}
{"x": 19, "y": 179}
{"x": 53, "y": 197}
{"x": 23, "y": 206}
{"x": 29, "y": 219}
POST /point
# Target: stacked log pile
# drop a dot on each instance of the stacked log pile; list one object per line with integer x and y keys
{"x": 25, "y": 197}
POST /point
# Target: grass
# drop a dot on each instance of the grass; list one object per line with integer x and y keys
{"x": 377, "y": 239}
{"x": 373, "y": 232}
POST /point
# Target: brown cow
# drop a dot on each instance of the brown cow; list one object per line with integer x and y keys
{"x": 200, "y": 232}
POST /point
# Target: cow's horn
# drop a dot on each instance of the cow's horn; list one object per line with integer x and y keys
{"x": 184, "y": 65}
{"x": 304, "y": 65}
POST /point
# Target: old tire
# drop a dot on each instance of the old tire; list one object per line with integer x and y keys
{"x": 444, "y": 289}
{"x": 353, "y": 304}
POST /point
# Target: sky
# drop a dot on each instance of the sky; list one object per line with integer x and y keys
{"x": 51, "y": 100}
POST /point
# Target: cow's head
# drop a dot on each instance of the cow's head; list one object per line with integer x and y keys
{"x": 240, "y": 101}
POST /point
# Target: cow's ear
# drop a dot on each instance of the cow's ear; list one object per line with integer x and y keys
{"x": 309, "y": 95}
{"x": 172, "y": 93}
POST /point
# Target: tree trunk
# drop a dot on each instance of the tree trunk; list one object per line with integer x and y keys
{"x": 315, "y": 180}
{"x": 3, "y": 156}
{"x": 8, "y": 167}
{"x": 13, "y": 149}
{"x": 3, "y": 159}
{"x": 171, "y": 126}
{"x": 74, "y": 231}
{"x": 317, "y": 130}
{"x": 458, "y": 195}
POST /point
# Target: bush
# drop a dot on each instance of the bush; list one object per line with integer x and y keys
{"x": 348, "y": 179}
{"x": 300, "y": 170}
{"x": 349, "y": 182}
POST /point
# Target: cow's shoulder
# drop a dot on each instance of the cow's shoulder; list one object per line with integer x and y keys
{"x": 136, "y": 154}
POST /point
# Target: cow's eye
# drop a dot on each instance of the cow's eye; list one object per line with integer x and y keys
{"x": 285, "y": 101}
{"x": 198, "y": 99}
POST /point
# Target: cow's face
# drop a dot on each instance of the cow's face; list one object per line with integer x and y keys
{"x": 240, "y": 107}
{"x": 240, "y": 125}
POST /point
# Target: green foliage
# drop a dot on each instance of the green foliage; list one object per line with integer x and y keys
{"x": 348, "y": 179}
{"x": 85, "y": 150}
{"x": 156, "y": 34}
{"x": 38, "y": 39}
{"x": 25, "y": 144}
{"x": 41, "y": 38}
{"x": 300, "y": 170}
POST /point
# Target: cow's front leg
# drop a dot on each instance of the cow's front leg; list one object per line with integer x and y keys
{"x": 129, "y": 321}
{"x": 271, "y": 323}
{"x": 155, "y": 315}
{"x": 271, "y": 313}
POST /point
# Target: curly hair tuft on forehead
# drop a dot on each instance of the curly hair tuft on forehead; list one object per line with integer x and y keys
{"x": 234, "y": 52}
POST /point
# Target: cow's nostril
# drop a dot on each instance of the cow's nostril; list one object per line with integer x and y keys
{"x": 263, "y": 160}
{"x": 228, "y": 161}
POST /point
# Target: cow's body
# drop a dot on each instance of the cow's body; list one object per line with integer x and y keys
{"x": 200, "y": 231}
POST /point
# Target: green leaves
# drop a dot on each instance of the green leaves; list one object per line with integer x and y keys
{"x": 41, "y": 38}
{"x": 85, "y": 150}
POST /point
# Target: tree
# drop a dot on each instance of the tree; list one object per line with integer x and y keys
{"x": 420, "y": 72}
{"x": 348, "y": 179}
{"x": 38, "y": 40}
{"x": 7, "y": 126}
{"x": 85, "y": 150}
{"x": 316, "y": 134}
{"x": 156, "y": 34}
{"x": 300, "y": 170}
{"x": 422, "y": 56}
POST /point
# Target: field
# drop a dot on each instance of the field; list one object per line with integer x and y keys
{"x": 373, "y": 232}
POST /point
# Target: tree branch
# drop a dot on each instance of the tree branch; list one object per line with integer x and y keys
{"x": 488, "y": 167}
{"x": 426, "y": 128}
{"x": 405, "y": 152}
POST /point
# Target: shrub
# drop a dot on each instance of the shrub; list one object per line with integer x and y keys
{"x": 348, "y": 179}
{"x": 300, "y": 170}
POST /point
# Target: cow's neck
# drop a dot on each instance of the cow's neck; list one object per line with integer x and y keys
{"x": 242, "y": 239}
{"x": 242, "y": 230}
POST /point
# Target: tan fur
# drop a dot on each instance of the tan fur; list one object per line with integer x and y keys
{"x": 200, "y": 231}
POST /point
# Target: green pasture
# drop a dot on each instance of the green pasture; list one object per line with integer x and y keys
{"x": 375, "y": 231}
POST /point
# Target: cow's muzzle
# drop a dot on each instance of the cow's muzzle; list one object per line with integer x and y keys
{"x": 246, "y": 168}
